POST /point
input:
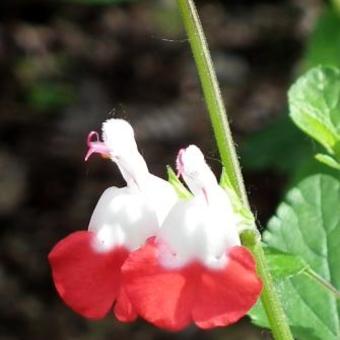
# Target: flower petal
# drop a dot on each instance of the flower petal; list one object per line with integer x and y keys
{"x": 171, "y": 298}
{"x": 227, "y": 294}
{"x": 123, "y": 309}
{"x": 88, "y": 281}
{"x": 123, "y": 217}
{"x": 161, "y": 296}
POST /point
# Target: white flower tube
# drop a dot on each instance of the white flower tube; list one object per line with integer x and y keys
{"x": 208, "y": 225}
{"x": 128, "y": 216}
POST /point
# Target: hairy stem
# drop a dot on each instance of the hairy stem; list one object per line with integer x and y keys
{"x": 213, "y": 96}
{"x": 218, "y": 117}
{"x": 269, "y": 298}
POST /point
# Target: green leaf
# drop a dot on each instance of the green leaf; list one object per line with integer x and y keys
{"x": 314, "y": 102}
{"x": 180, "y": 189}
{"x": 307, "y": 225}
{"x": 283, "y": 265}
{"x": 321, "y": 50}
{"x": 328, "y": 160}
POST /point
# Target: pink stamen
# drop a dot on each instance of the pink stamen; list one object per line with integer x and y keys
{"x": 90, "y": 135}
{"x": 96, "y": 146}
{"x": 179, "y": 162}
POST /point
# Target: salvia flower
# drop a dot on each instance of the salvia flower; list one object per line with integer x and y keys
{"x": 86, "y": 265}
{"x": 195, "y": 269}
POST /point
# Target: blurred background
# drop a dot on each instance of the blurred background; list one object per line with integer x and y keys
{"x": 65, "y": 66}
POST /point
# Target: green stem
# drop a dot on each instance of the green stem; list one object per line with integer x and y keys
{"x": 269, "y": 298}
{"x": 213, "y": 96}
{"x": 218, "y": 117}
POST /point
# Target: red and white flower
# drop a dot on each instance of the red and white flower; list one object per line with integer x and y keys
{"x": 195, "y": 269}
{"x": 86, "y": 265}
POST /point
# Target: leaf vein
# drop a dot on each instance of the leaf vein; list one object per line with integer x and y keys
{"x": 303, "y": 299}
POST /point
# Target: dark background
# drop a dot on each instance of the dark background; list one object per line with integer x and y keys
{"x": 64, "y": 68}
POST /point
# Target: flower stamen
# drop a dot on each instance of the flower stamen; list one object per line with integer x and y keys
{"x": 96, "y": 146}
{"x": 179, "y": 163}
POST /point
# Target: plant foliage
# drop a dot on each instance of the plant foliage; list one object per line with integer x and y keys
{"x": 307, "y": 226}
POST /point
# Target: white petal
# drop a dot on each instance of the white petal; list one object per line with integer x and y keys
{"x": 127, "y": 216}
{"x": 118, "y": 135}
{"x": 194, "y": 169}
{"x": 195, "y": 230}
{"x": 161, "y": 196}
{"x": 123, "y": 217}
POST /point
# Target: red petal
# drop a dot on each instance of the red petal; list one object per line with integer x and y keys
{"x": 123, "y": 309}
{"x": 172, "y": 298}
{"x": 87, "y": 280}
{"x": 162, "y": 297}
{"x": 226, "y": 295}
